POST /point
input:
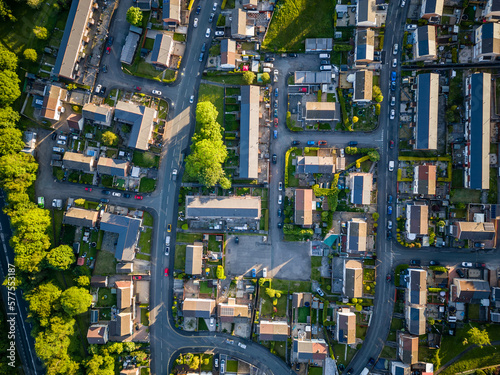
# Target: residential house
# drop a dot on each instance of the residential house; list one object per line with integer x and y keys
{"x": 98, "y": 334}
{"x": 124, "y": 324}
{"x": 416, "y": 300}
{"x": 249, "y": 4}
{"x": 361, "y": 187}
{"x": 424, "y": 46}
{"x": 171, "y": 13}
{"x": 240, "y": 29}
{"x": 29, "y": 143}
{"x": 144, "y": 5}
{"x": 487, "y": 41}
{"x": 128, "y": 230}
{"x": 230, "y": 312}
{"x": 407, "y": 348}
{"x": 345, "y": 328}
{"x": 194, "y": 263}
{"x": 53, "y": 97}
{"x": 365, "y": 46}
{"x": 128, "y": 49}
{"x": 228, "y": 54}
{"x": 312, "y": 78}
{"x": 162, "y": 49}
{"x": 124, "y": 294}
{"x": 357, "y": 232}
{"x": 365, "y": 13}
{"x": 431, "y": 9}
{"x": 99, "y": 281}
{"x": 249, "y": 130}
{"x": 273, "y": 330}
{"x": 79, "y": 162}
{"x": 474, "y": 231}
{"x": 301, "y": 299}
{"x": 417, "y": 220}
{"x": 234, "y": 207}
{"x": 424, "y": 179}
{"x": 130, "y": 371}
{"x": 198, "y": 308}
{"x": 75, "y": 122}
{"x": 315, "y": 164}
{"x": 125, "y": 302}
{"x": 80, "y": 217}
{"x": 113, "y": 167}
{"x": 477, "y": 130}
{"x": 469, "y": 290}
{"x": 353, "y": 279}
{"x": 142, "y": 120}
{"x": 363, "y": 86}
{"x": 124, "y": 267}
{"x": 98, "y": 114}
{"x": 319, "y": 45}
{"x": 312, "y": 351}
{"x": 491, "y": 12}
{"x": 75, "y": 37}
{"x": 399, "y": 368}
{"x": 304, "y": 207}
{"x": 495, "y": 297}
{"x": 321, "y": 111}
{"x": 426, "y": 118}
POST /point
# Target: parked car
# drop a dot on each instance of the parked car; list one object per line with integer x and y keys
{"x": 62, "y": 143}
{"x": 292, "y": 55}
{"x": 156, "y": 92}
{"x": 460, "y": 273}
{"x": 138, "y": 197}
{"x": 276, "y": 92}
{"x": 389, "y": 235}
{"x": 242, "y": 346}
{"x": 264, "y": 272}
{"x": 479, "y": 244}
{"x": 389, "y": 224}
{"x": 389, "y": 199}
{"x": 393, "y": 101}
{"x": 391, "y": 144}
{"x": 198, "y": 9}
{"x": 169, "y": 227}
{"x": 214, "y": 7}
{"x": 311, "y": 143}
{"x": 195, "y": 22}
{"x": 167, "y": 251}
{"x": 98, "y": 89}
{"x": 415, "y": 262}
{"x": 394, "y": 63}
{"x": 280, "y": 225}
{"x": 200, "y": 59}
{"x": 275, "y": 103}
{"x": 434, "y": 263}
{"x": 138, "y": 88}
{"x": 388, "y": 277}
{"x": 280, "y": 199}
{"x": 371, "y": 361}
{"x": 275, "y": 134}
{"x": 116, "y": 194}
{"x": 295, "y": 143}
{"x": 393, "y": 76}
{"x": 191, "y": 99}
{"x": 275, "y": 113}
{"x": 211, "y": 18}
{"x": 254, "y": 273}
{"x": 389, "y": 210}
{"x": 395, "y": 49}
{"x": 279, "y": 212}
{"x": 320, "y": 292}
{"x": 236, "y": 239}
{"x": 280, "y": 186}
{"x": 352, "y": 144}
{"x": 166, "y": 271}
{"x": 108, "y": 50}
{"x": 219, "y": 33}
{"x": 322, "y": 143}
{"x": 89, "y": 189}
{"x": 325, "y": 62}
{"x": 393, "y": 114}
{"x": 126, "y": 195}
{"x": 104, "y": 200}
{"x": 106, "y": 192}
{"x": 203, "y": 47}
{"x": 104, "y": 69}
{"x": 54, "y": 136}
{"x": 342, "y": 153}
{"x": 480, "y": 265}
{"x": 276, "y": 122}
{"x": 207, "y": 33}
{"x": 303, "y": 89}
{"x": 467, "y": 264}
{"x": 110, "y": 41}
{"x": 411, "y": 27}
{"x": 275, "y": 158}
{"x": 137, "y": 277}
{"x": 393, "y": 86}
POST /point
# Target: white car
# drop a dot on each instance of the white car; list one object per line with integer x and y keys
{"x": 167, "y": 251}
{"x": 395, "y": 49}
{"x": 389, "y": 224}
{"x": 219, "y": 33}
{"x": 393, "y": 101}
{"x": 411, "y": 27}
{"x": 156, "y": 92}
{"x": 394, "y": 63}
{"x": 467, "y": 264}
{"x": 280, "y": 186}
{"x": 280, "y": 199}
{"x": 212, "y": 322}
{"x": 115, "y": 194}
{"x": 61, "y": 142}
{"x": 242, "y": 346}
{"x": 98, "y": 89}
{"x": 207, "y": 33}
{"x": 264, "y": 274}
{"x": 191, "y": 99}
{"x": 403, "y": 3}
{"x": 393, "y": 114}
{"x": 195, "y": 23}
{"x": 215, "y": 7}
{"x": 342, "y": 154}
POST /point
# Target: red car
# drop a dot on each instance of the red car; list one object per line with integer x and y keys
{"x": 139, "y": 197}
{"x": 391, "y": 144}
{"x": 303, "y": 89}
{"x": 108, "y": 50}
{"x": 276, "y": 122}
{"x": 322, "y": 143}
{"x": 166, "y": 271}
{"x": 137, "y": 277}
{"x": 88, "y": 189}
{"x": 138, "y": 88}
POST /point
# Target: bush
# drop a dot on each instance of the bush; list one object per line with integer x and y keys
{"x": 185, "y": 226}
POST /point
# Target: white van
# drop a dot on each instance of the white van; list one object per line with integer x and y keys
{"x": 325, "y": 67}
{"x": 391, "y": 165}
{"x": 365, "y": 371}
{"x": 167, "y": 241}
{"x": 264, "y": 272}
{"x": 324, "y": 55}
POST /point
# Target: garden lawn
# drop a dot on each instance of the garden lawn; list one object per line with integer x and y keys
{"x": 232, "y": 366}
{"x": 295, "y": 286}
{"x": 204, "y": 289}
{"x": 147, "y": 219}
{"x": 180, "y": 257}
{"x": 144, "y": 316}
{"x": 145, "y": 159}
{"x": 465, "y": 196}
{"x": 145, "y": 241}
{"x": 295, "y": 20}
{"x": 105, "y": 298}
{"x": 215, "y": 95}
{"x": 147, "y": 185}
{"x": 475, "y": 358}
{"x": 105, "y": 263}
{"x": 189, "y": 237}
{"x": 303, "y": 314}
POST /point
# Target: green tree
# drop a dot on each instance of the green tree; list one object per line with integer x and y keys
{"x": 8, "y": 59}
{"x": 205, "y": 161}
{"x": 8, "y": 117}
{"x": 248, "y": 77}
{"x": 441, "y": 223}
{"x": 225, "y": 183}
{"x": 100, "y": 365}
{"x": 75, "y": 300}
{"x": 30, "y": 54}
{"x": 54, "y": 341}
{"x": 9, "y": 82}
{"x": 60, "y": 258}
{"x": 41, "y": 32}
{"x": 265, "y": 77}
{"x": 431, "y": 321}
{"x": 375, "y": 216}
{"x": 43, "y": 300}
{"x": 355, "y": 119}
{"x": 374, "y": 156}
{"x": 134, "y": 16}
{"x": 79, "y": 202}
{"x": 220, "y": 273}
{"x": 82, "y": 281}
{"x": 377, "y": 109}
{"x": 109, "y": 138}
{"x": 11, "y": 141}
{"x": 271, "y": 292}
{"x": 71, "y": 86}
{"x": 206, "y": 112}
{"x": 478, "y": 337}
{"x": 34, "y": 3}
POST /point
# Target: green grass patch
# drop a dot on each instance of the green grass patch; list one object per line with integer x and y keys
{"x": 147, "y": 185}
{"x": 189, "y": 237}
{"x": 215, "y": 95}
{"x": 145, "y": 159}
{"x": 341, "y": 355}
{"x": 179, "y": 37}
{"x": 303, "y": 312}
{"x": 294, "y": 286}
{"x": 465, "y": 196}
{"x": 202, "y": 325}
{"x": 105, "y": 263}
{"x": 475, "y": 358}
{"x": 315, "y": 264}
{"x": 204, "y": 289}
{"x": 388, "y": 353}
{"x": 145, "y": 240}
{"x": 315, "y": 371}
{"x": 226, "y": 79}
{"x": 144, "y": 317}
{"x": 180, "y": 256}
{"x": 292, "y": 180}
{"x": 143, "y": 257}
{"x": 209, "y": 365}
{"x": 457, "y": 178}
{"x": 147, "y": 219}
{"x": 232, "y": 366}
{"x": 105, "y": 298}
{"x": 295, "y": 20}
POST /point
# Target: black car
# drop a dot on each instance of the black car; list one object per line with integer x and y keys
{"x": 110, "y": 41}
{"x": 393, "y": 86}
{"x": 269, "y": 59}
{"x": 352, "y": 144}
{"x": 349, "y": 371}
{"x": 480, "y": 265}
{"x": 292, "y": 55}
{"x": 204, "y": 47}
{"x": 415, "y": 262}
{"x": 236, "y": 239}
{"x": 54, "y": 136}
{"x": 434, "y": 263}
{"x": 280, "y": 225}
{"x": 103, "y": 91}
{"x": 325, "y": 62}
{"x": 104, "y": 69}
{"x": 297, "y": 366}
{"x": 460, "y": 272}
{"x": 279, "y": 212}
{"x": 198, "y": 10}
{"x": 104, "y": 200}
{"x": 275, "y": 157}
{"x": 106, "y": 192}
{"x": 295, "y": 143}
{"x": 389, "y": 199}
{"x": 389, "y": 235}
{"x": 201, "y": 57}
{"x": 126, "y": 195}
{"x": 371, "y": 361}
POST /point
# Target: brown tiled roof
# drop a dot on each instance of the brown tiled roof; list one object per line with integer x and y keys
{"x": 303, "y": 206}
{"x": 408, "y": 348}
{"x": 273, "y": 330}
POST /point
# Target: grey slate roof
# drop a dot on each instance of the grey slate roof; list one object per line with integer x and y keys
{"x": 113, "y": 167}
{"x": 417, "y": 320}
{"x": 79, "y": 162}
{"x": 128, "y": 50}
{"x": 427, "y": 111}
{"x": 249, "y": 130}
{"x": 141, "y": 118}
{"x": 315, "y": 164}
{"x": 128, "y": 230}
{"x": 194, "y": 253}
{"x": 223, "y": 207}
{"x": 100, "y": 113}
{"x": 161, "y": 49}
{"x": 319, "y": 44}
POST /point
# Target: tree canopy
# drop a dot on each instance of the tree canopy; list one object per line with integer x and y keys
{"x": 11, "y": 141}
{"x": 42, "y": 301}
{"x": 60, "y": 258}
{"x": 75, "y": 300}
{"x": 478, "y": 337}
{"x": 248, "y": 77}
{"x": 109, "y": 138}
{"x": 10, "y": 87}
{"x": 265, "y": 77}
{"x": 134, "y": 16}
{"x": 41, "y": 32}
{"x": 8, "y": 59}
{"x": 8, "y": 117}
{"x": 30, "y": 54}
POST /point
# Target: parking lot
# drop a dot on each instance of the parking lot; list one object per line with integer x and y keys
{"x": 283, "y": 260}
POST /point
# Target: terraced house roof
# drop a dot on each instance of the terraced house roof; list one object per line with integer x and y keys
{"x": 249, "y": 129}
{"x": 427, "y": 111}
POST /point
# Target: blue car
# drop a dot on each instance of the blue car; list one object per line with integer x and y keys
{"x": 389, "y": 210}
{"x": 276, "y": 92}
{"x": 311, "y": 143}
{"x": 254, "y": 273}
{"x": 275, "y": 134}
{"x": 393, "y": 76}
